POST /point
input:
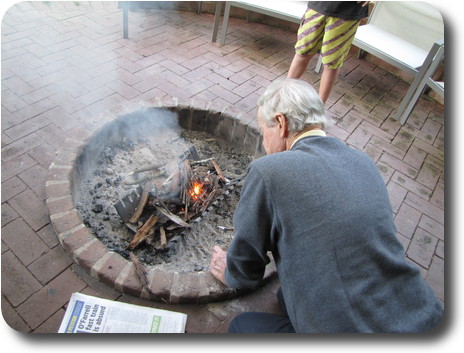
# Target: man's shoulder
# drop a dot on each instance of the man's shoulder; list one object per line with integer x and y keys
{"x": 271, "y": 161}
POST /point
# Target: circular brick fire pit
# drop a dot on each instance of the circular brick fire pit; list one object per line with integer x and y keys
{"x": 64, "y": 185}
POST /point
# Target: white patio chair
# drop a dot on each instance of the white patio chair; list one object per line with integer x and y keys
{"x": 422, "y": 80}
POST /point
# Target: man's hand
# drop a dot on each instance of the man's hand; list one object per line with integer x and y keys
{"x": 218, "y": 264}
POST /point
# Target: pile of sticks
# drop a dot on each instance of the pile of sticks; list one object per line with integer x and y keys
{"x": 197, "y": 185}
{"x": 161, "y": 211}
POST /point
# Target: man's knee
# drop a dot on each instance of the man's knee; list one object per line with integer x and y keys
{"x": 241, "y": 323}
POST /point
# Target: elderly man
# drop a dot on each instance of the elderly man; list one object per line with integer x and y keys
{"x": 323, "y": 211}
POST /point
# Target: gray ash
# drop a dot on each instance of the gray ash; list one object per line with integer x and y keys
{"x": 188, "y": 249}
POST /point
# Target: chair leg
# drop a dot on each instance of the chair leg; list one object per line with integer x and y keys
{"x": 217, "y": 16}
{"x": 319, "y": 64}
{"x": 225, "y": 23}
{"x": 408, "y": 103}
{"x": 418, "y": 84}
{"x": 125, "y": 19}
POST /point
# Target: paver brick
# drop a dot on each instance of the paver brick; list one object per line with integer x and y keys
{"x": 429, "y": 149}
{"x": 14, "y": 166}
{"x": 47, "y": 301}
{"x": 23, "y": 241}
{"x": 406, "y": 220}
{"x": 359, "y": 138}
{"x": 428, "y": 175}
{"x": 412, "y": 185}
{"x": 387, "y": 147}
{"x": 48, "y": 236}
{"x": 11, "y": 317}
{"x": 376, "y": 130}
{"x": 8, "y": 214}
{"x": 432, "y": 226}
{"x": 435, "y": 277}
{"x": 27, "y": 127}
{"x": 425, "y": 207}
{"x": 399, "y": 165}
{"x": 48, "y": 266}
{"x": 18, "y": 148}
{"x": 350, "y": 121}
{"x": 415, "y": 157}
{"x": 91, "y": 252}
{"x": 12, "y": 187}
{"x": 422, "y": 247}
{"x": 18, "y": 283}
{"x": 438, "y": 196}
{"x": 396, "y": 194}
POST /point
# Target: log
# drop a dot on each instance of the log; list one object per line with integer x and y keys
{"x": 143, "y": 201}
{"x": 143, "y": 232}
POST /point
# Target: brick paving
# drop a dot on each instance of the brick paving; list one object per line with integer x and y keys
{"x": 64, "y": 63}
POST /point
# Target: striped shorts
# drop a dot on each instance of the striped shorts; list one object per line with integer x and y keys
{"x": 331, "y": 36}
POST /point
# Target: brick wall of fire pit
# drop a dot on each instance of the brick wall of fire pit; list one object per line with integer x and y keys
{"x": 63, "y": 186}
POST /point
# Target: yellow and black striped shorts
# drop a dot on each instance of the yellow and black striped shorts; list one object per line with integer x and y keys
{"x": 331, "y": 36}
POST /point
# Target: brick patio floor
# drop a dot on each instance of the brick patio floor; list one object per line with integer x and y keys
{"x": 65, "y": 63}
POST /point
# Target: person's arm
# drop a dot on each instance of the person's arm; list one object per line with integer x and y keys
{"x": 245, "y": 261}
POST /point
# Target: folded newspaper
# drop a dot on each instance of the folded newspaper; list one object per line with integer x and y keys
{"x": 87, "y": 314}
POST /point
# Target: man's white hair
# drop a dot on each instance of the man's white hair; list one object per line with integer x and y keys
{"x": 297, "y": 100}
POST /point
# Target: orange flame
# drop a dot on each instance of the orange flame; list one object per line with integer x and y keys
{"x": 196, "y": 190}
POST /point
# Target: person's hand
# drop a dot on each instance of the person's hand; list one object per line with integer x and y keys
{"x": 218, "y": 263}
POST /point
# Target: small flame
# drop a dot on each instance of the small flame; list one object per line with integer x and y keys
{"x": 196, "y": 190}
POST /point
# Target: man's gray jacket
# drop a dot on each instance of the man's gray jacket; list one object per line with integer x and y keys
{"x": 323, "y": 210}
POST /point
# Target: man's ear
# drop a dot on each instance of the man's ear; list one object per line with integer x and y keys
{"x": 282, "y": 124}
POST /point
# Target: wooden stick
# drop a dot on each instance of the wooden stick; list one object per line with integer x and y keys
{"x": 143, "y": 232}
{"x": 201, "y": 161}
{"x": 146, "y": 169}
{"x": 163, "y": 241}
{"x": 140, "y": 270}
{"x": 173, "y": 217}
{"x": 212, "y": 195}
{"x": 218, "y": 170}
{"x": 143, "y": 201}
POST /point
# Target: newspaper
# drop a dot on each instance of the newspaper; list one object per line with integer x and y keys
{"x": 88, "y": 314}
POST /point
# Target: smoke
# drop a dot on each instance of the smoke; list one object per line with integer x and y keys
{"x": 145, "y": 124}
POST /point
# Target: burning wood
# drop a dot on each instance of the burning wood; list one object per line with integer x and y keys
{"x": 186, "y": 192}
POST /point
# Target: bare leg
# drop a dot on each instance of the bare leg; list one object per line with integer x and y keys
{"x": 298, "y": 65}
{"x": 328, "y": 79}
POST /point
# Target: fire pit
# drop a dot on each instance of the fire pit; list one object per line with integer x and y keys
{"x": 141, "y": 201}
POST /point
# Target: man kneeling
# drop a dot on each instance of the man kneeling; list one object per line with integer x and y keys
{"x": 323, "y": 211}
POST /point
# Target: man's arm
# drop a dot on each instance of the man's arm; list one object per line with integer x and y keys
{"x": 243, "y": 265}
